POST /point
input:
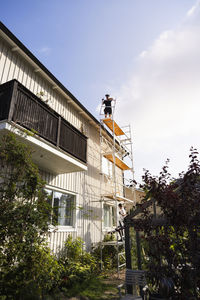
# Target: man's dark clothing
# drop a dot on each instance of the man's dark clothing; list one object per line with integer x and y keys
{"x": 108, "y": 108}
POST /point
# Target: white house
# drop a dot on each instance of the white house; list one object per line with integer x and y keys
{"x": 68, "y": 143}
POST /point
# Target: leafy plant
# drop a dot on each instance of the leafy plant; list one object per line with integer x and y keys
{"x": 109, "y": 254}
{"x": 27, "y": 268}
{"x": 172, "y": 246}
{"x": 25, "y": 261}
{"x": 78, "y": 265}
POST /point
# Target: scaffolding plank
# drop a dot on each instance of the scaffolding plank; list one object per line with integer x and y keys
{"x": 109, "y": 123}
{"x": 119, "y": 163}
{"x": 118, "y": 198}
{"x": 113, "y": 243}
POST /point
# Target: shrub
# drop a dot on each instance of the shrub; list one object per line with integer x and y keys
{"x": 172, "y": 248}
{"x": 78, "y": 265}
{"x": 109, "y": 254}
{"x": 25, "y": 263}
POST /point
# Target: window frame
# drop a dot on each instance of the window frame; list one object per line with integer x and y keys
{"x": 64, "y": 228}
{"x": 107, "y": 167}
{"x": 112, "y": 216}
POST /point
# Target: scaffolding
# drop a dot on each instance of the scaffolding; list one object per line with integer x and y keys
{"x": 116, "y": 147}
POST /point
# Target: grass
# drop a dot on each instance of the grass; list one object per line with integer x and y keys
{"x": 96, "y": 288}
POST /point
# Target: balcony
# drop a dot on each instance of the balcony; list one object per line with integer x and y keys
{"x": 57, "y": 146}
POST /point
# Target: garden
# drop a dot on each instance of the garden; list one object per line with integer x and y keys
{"x": 28, "y": 270}
{"x": 164, "y": 233}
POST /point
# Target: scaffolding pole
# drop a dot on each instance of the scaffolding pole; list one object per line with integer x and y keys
{"x": 119, "y": 145}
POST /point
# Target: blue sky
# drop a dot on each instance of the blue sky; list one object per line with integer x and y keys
{"x": 144, "y": 52}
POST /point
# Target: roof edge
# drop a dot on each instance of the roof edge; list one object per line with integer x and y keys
{"x": 49, "y": 74}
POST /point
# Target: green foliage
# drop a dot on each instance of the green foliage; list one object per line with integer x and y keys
{"x": 109, "y": 254}
{"x": 94, "y": 288}
{"x": 78, "y": 265}
{"x": 30, "y": 279}
{"x": 133, "y": 249}
{"x": 25, "y": 263}
{"x": 27, "y": 268}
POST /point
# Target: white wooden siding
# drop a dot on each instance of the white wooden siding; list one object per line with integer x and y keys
{"x": 14, "y": 66}
{"x": 86, "y": 185}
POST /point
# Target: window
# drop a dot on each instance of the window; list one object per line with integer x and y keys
{"x": 109, "y": 216}
{"x": 63, "y": 205}
{"x": 106, "y": 166}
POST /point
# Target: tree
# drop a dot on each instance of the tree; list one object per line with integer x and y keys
{"x": 25, "y": 260}
{"x": 172, "y": 248}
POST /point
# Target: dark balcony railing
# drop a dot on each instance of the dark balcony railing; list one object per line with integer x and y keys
{"x": 19, "y": 105}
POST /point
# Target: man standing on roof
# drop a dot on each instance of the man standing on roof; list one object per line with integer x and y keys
{"x": 108, "y": 106}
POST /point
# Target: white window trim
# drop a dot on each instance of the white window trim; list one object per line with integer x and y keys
{"x": 61, "y": 228}
{"x": 107, "y": 228}
{"x": 107, "y": 167}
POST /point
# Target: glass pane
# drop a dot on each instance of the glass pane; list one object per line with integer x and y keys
{"x": 105, "y": 169}
{"x": 106, "y": 215}
{"x": 64, "y": 208}
{"x": 50, "y": 202}
{"x": 110, "y": 168}
{"x": 70, "y": 210}
{"x": 56, "y": 198}
{"x": 49, "y": 195}
{"x": 114, "y": 223}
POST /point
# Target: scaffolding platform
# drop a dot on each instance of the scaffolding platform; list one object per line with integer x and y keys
{"x": 112, "y": 125}
{"x": 113, "y": 243}
{"x": 118, "y": 162}
{"x": 117, "y": 197}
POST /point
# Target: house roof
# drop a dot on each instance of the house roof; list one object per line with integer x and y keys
{"x": 16, "y": 42}
{"x": 19, "y": 46}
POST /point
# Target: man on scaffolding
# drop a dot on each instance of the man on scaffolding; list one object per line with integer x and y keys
{"x": 122, "y": 215}
{"x": 108, "y": 105}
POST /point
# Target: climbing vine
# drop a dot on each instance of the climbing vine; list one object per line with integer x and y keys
{"x": 25, "y": 262}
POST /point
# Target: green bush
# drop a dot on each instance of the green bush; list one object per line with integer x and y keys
{"x": 27, "y": 268}
{"x": 33, "y": 277}
{"x": 109, "y": 254}
{"x": 26, "y": 265}
{"x": 77, "y": 264}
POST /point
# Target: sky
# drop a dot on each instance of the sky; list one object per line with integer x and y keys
{"x": 144, "y": 53}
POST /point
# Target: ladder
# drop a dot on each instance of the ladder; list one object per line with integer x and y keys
{"x": 119, "y": 145}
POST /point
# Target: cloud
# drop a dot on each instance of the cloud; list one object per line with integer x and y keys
{"x": 194, "y": 10}
{"x": 162, "y": 98}
{"x": 45, "y": 50}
